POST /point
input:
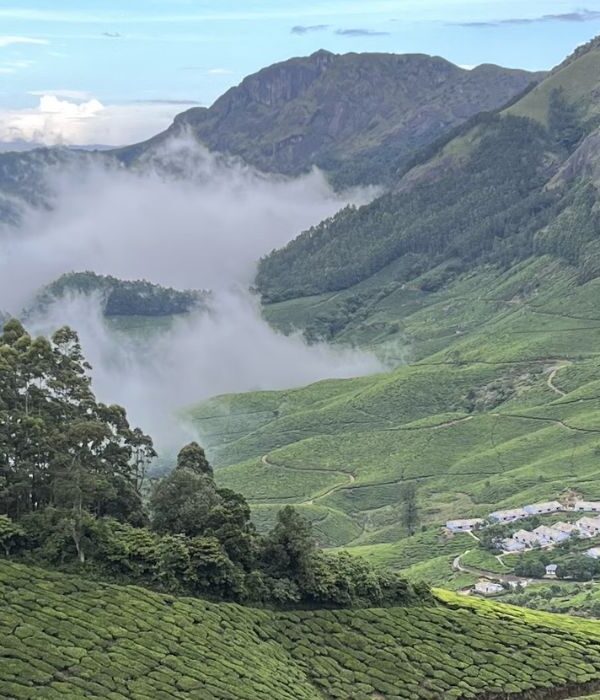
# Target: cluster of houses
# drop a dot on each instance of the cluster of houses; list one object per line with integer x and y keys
{"x": 544, "y": 535}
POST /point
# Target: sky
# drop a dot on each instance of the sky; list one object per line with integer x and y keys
{"x": 117, "y": 71}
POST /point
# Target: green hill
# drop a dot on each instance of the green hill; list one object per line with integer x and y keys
{"x": 66, "y": 637}
{"x": 498, "y": 406}
{"x": 477, "y": 278}
{"x": 359, "y": 117}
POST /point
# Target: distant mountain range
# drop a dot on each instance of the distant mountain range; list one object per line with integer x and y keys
{"x": 359, "y": 117}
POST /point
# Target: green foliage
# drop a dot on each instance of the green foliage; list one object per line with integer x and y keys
{"x": 11, "y": 534}
{"x": 488, "y": 213}
{"x": 564, "y": 123}
{"x": 59, "y": 447}
{"x": 72, "y": 476}
{"x": 64, "y": 636}
{"x": 122, "y": 297}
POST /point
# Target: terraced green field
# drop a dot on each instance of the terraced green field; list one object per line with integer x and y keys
{"x": 498, "y": 404}
{"x": 66, "y": 637}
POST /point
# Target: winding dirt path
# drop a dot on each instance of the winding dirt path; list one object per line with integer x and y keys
{"x": 552, "y": 377}
{"x": 310, "y": 501}
{"x": 457, "y": 565}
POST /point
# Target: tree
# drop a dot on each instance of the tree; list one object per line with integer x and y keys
{"x": 289, "y": 547}
{"x": 11, "y": 534}
{"x": 188, "y": 502}
{"x": 563, "y": 120}
{"x": 193, "y": 457}
{"x": 60, "y": 447}
{"x": 410, "y": 511}
{"x": 182, "y": 502}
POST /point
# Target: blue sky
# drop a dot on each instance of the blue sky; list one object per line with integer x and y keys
{"x": 116, "y": 70}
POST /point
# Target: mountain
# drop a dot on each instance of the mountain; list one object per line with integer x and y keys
{"x": 64, "y": 636}
{"x": 358, "y": 116}
{"x": 503, "y": 187}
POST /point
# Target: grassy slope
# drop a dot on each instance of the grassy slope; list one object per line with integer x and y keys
{"x": 344, "y": 450}
{"x": 497, "y": 402}
{"x": 64, "y": 637}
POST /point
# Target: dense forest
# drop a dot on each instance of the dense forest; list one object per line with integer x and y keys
{"x": 74, "y": 495}
{"x": 122, "y": 297}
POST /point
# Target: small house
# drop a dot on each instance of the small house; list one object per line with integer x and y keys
{"x": 569, "y": 528}
{"x": 587, "y": 506}
{"x": 594, "y": 553}
{"x": 544, "y": 508}
{"x": 549, "y": 535}
{"x": 508, "y": 516}
{"x": 588, "y": 527}
{"x": 488, "y": 588}
{"x": 512, "y": 545}
{"x": 551, "y": 570}
{"x": 526, "y": 538}
{"x": 464, "y": 525}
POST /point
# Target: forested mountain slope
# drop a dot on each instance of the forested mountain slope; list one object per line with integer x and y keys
{"x": 63, "y": 636}
{"x": 507, "y": 186}
{"x": 358, "y": 116}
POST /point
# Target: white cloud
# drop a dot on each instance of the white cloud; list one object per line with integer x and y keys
{"x": 204, "y": 228}
{"x": 74, "y": 117}
{"x": 467, "y": 66}
{"x": 13, "y": 40}
{"x": 10, "y": 67}
{"x": 219, "y": 71}
{"x": 62, "y": 93}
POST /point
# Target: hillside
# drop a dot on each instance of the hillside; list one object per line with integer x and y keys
{"x": 359, "y": 117}
{"x": 121, "y": 298}
{"x": 507, "y": 186}
{"x": 498, "y": 408}
{"x": 477, "y": 278}
{"x": 68, "y": 637}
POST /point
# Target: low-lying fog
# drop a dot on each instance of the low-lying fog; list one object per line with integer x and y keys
{"x": 201, "y": 226}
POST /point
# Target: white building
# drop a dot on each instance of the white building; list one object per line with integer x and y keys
{"x": 544, "y": 508}
{"x": 526, "y": 538}
{"x": 588, "y": 527}
{"x": 587, "y": 506}
{"x": 551, "y": 570}
{"x": 508, "y": 516}
{"x": 569, "y": 528}
{"x": 488, "y": 588}
{"x": 512, "y": 545}
{"x": 464, "y": 525}
{"x": 594, "y": 553}
{"x": 549, "y": 535}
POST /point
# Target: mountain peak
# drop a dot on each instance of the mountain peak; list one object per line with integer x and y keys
{"x": 347, "y": 113}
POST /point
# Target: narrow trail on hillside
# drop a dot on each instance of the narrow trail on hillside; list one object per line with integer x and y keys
{"x": 552, "y": 377}
{"x": 542, "y": 419}
{"x": 457, "y": 565}
{"x": 311, "y": 501}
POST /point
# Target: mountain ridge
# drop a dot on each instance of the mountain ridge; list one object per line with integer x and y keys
{"x": 344, "y": 112}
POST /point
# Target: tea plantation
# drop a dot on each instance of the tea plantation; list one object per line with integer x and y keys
{"x": 63, "y": 637}
{"x": 498, "y": 407}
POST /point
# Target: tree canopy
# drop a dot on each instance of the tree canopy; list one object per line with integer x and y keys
{"x": 72, "y": 494}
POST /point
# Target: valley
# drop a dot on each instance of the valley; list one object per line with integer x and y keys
{"x": 353, "y": 300}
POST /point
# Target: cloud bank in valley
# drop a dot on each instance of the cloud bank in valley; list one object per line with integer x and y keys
{"x": 186, "y": 219}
